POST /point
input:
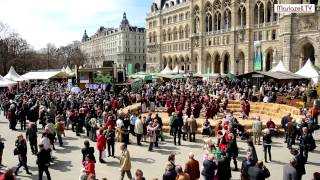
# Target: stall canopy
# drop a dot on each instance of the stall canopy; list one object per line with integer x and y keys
{"x": 142, "y": 75}
{"x": 5, "y": 83}
{"x": 13, "y": 75}
{"x": 69, "y": 71}
{"x": 176, "y": 70}
{"x": 166, "y": 70}
{"x": 274, "y": 75}
{"x": 310, "y": 71}
{"x": 45, "y": 75}
{"x": 279, "y": 68}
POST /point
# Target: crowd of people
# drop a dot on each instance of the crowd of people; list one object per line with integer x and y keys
{"x": 98, "y": 115}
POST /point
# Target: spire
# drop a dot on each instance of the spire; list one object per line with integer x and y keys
{"x": 85, "y": 36}
{"x": 124, "y": 23}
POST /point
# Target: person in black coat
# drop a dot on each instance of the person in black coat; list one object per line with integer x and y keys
{"x": 300, "y": 165}
{"x": 110, "y": 136}
{"x": 43, "y": 161}
{"x": 31, "y": 136}
{"x": 87, "y": 150}
{"x": 170, "y": 173}
{"x": 267, "y": 145}
{"x": 246, "y": 164}
{"x": 21, "y": 147}
{"x": 258, "y": 172}
{"x": 224, "y": 169}
{"x": 305, "y": 143}
{"x": 177, "y": 125}
{"x": 209, "y": 168}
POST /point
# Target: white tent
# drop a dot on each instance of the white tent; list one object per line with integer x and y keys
{"x": 69, "y": 71}
{"x": 45, "y": 75}
{"x": 13, "y": 75}
{"x": 308, "y": 70}
{"x": 279, "y": 68}
{"x": 5, "y": 83}
{"x": 63, "y": 69}
{"x": 166, "y": 70}
{"x": 176, "y": 70}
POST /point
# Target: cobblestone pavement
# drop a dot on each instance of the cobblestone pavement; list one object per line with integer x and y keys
{"x": 68, "y": 158}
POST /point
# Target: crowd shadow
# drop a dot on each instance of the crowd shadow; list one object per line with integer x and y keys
{"x": 113, "y": 163}
{"x": 143, "y": 160}
{"x": 59, "y": 165}
{"x": 67, "y": 149}
{"x": 164, "y": 152}
{"x": 278, "y": 162}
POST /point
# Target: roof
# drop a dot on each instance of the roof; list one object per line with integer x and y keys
{"x": 279, "y": 68}
{"x": 45, "y": 75}
{"x": 308, "y": 70}
{"x": 276, "y": 75}
{"x": 5, "y": 83}
{"x": 13, "y": 75}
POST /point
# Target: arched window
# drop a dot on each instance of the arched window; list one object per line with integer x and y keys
{"x": 269, "y": 11}
{"x": 227, "y": 19}
{"x": 208, "y": 22}
{"x": 150, "y": 37}
{"x": 169, "y": 20}
{"x": 242, "y": 16}
{"x": 187, "y": 15}
{"x": 164, "y": 36}
{"x": 154, "y": 36}
{"x": 217, "y": 21}
{"x": 175, "y": 34}
{"x": 181, "y": 32}
{"x": 275, "y": 15}
{"x": 259, "y": 13}
{"x": 187, "y": 31}
{"x": 196, "y": 25}
{"x": 169, "y": 35}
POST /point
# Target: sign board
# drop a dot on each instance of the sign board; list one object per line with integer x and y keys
{"x": 257, "y": 75}
{"x": 84, "y": 78}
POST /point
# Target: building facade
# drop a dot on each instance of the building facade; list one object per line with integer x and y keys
{"x": 230, "y": 36}
{"x": 124, "y": 45}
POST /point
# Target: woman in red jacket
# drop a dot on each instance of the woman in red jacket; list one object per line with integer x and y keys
{"x": 89, "y": 166}
{"x": 101, "y": 144}
{"x": 110, "y": 122}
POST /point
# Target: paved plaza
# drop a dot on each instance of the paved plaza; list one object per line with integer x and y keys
{"x": 68, "y": 158}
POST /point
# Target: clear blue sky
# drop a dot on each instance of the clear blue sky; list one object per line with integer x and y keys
{"x": 63, "y": 21}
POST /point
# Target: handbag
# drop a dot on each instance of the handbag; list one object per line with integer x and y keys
{"x": 16, "y": 151}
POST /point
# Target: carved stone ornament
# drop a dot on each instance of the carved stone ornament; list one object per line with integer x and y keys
{"x": 306, "y": 24}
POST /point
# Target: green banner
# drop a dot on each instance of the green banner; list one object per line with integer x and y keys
{"x": 129, "y": 69}
{"x": 103, "y": 78}
{"x": 257, "y": 66}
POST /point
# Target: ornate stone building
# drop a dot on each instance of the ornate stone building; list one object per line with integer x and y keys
{"x": 237, "y": 36}
{"x": 124, "y": 45}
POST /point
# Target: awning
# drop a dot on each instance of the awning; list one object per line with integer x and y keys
{"x": 45, "y": 75}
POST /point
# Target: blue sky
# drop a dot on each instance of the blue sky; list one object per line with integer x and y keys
{"x": 62, "y": 21}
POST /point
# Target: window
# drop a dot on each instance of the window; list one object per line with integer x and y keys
{"x": 255, "y": 36}
{"x": 150, "y": 25}
{"x": 164, "y": 21}
{"x": 260, "y": 35}
{"x": 274, "y": 36}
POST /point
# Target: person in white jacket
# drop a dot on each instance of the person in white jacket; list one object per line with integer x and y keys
{"x": 138, "y": 130}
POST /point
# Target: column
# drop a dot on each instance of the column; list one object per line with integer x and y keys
{"x": 264, "y": 62}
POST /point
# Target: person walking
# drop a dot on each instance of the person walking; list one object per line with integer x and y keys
{"x": 101, "y": 144}
{"x": 43, "y": 162}
{"x": 177, "y": 126}
{"x": 246, "y": 164}
{"x": 89, "y": 166}
{"x": 256, "y": 130}
{"x": 170, "y": 172}
{"x": 138, "y": 130}
{"x": 284, "y": 123}
{"x": 152, "y": 127}
{"x": 232, "y": 150}
{"x": 224, "y": 170}
{"x": 267, "y": 144}
{"x": 300, "y": 165}
{"x": 110, "y": 136}
{"x": 289, "y": 171}
{"x": 209, "y": 168}
{"x": 252, "y": 150}
{"x": 305, "y": 142}
{"x": 87, "y": 150}
{"x": 182, "y": 175}
{"x": 193, "y": 127}
{"x": 291, "y": 130}
{"x": 21, "y": 151}
{"x": 59, "y": 129}
{"x": 258, "y": 172}
{"x": 192, "y": 167}
{"x": 125, "y": 162}
{"x": 31, "y": 136}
